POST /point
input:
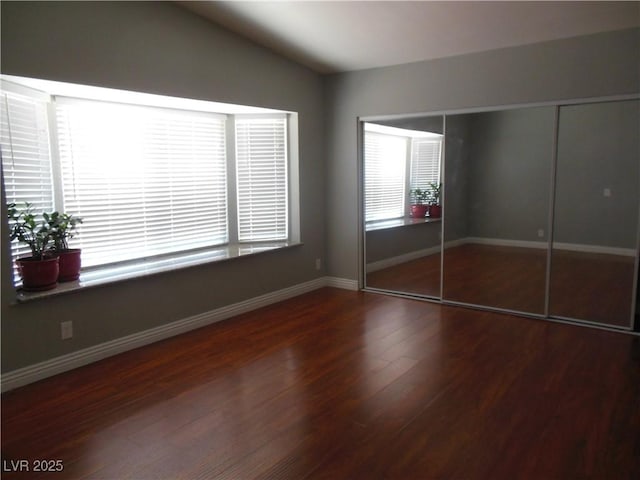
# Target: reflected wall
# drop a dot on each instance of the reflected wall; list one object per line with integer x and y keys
{"x": 596, "y": 212}
{"x": 497, "y": 187}
{"x": 541, "y": 209}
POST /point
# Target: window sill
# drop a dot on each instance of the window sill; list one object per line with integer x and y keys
{"x": 113, "y": 274}
{"x": 399, "y": 222}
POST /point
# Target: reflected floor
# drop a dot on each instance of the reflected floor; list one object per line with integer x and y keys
{"x": 420, "y": 277}
{"x": 594, "y": 287}
{"x": 512, "y": 278}
{"x": 587, "y": 286}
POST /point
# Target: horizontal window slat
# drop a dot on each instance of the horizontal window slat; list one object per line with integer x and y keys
{"x": 147, "y": 180}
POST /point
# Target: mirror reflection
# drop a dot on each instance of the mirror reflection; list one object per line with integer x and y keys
{"x": 402, "y": 183}
{"x": 596, "y": 212}
{"x": 497, "y": 190}
{"x": 504, "y": 239}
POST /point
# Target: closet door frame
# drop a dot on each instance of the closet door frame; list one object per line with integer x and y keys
{"x": 634, "y": 323}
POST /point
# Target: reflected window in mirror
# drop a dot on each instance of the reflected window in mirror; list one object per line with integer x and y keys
{"x": 398, "y": 162}
{"x": 402, "y": 248}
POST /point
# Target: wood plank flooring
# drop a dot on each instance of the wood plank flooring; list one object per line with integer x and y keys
{"x": 343, "y": 385}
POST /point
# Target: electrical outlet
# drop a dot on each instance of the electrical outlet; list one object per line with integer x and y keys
{"x": 318, "y": 264}
{"x": 607, "y": 192}
{"x": 66, "y": 330}
{"x": 540, "y": 233}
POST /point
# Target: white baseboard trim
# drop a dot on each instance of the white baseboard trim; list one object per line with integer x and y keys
{"x": 343, "y": 283}
{"x": 455, "y": 243}
{"x": 32, "y": 373}
{"x": 406, "y": 257}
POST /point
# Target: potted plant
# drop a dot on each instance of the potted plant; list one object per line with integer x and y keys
{"x": 40, "y": 270}
{"x": 419, "y": 199}
{"x": 435, "y": 209}
{"x": 63, "y": 227}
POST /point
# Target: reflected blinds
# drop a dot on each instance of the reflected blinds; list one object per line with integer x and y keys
{"x": 384, "y": 176}
{"x": 425, "y": 162}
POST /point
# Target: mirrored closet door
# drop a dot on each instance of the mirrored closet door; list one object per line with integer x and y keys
{"x": 539, "y": 209}
{"x": 498, "y": 175}
{"x": 402, "y": 167}
{"x": 596, "y": 213}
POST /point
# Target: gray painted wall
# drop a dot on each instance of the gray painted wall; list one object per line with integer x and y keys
{"x": 457, "y": 179}
{"x": 510, "y": 172}
{"x": 598, "y": 148}
{"x": 158, "y": 48}
{"x": 583, "y": 67}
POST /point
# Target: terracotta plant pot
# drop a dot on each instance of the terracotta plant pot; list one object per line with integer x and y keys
{"x": 435, "y": 211}
{"x": 69, "y": 265}
{"x": 38, "y": 275}
{"x": 418, "y": 211}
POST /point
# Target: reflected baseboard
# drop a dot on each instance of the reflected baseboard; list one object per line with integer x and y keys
{"x": 407, "y": 257}
{"x": 499, "y": 242}
{"x": 506, "y": 242}
{"x": 572, "y": 247}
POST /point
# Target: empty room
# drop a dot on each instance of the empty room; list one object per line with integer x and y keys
{"x": 320, "y": 240}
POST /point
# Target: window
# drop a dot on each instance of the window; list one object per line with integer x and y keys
{"x": 149, "y": 178}
{"x": 24, "y": 137}
{"x": 261, "y": 152}
{"x": 397, "y": 161}
{"x": 159, "y": 188}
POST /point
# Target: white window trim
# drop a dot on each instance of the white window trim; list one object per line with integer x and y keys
{"x": 102, "y": 275}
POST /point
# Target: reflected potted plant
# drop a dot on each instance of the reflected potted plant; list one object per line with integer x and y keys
{"x": 435, "y": 209}
{"x": 63, "y": 227}
{"x": 40, "y": 270}
{"x": 419, "y": 199}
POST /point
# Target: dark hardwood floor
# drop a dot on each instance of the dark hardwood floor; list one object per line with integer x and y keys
{"x": 343, "y": 385}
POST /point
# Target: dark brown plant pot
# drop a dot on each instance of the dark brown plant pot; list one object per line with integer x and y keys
{"x": 435, "y": 211}
{"x": 69, "y": 265}
{"x": 418, "y": 211}
{"x": 38, "y": 275}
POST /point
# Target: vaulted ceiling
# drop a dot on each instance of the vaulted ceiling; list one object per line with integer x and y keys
{"x": 338, "y": 36}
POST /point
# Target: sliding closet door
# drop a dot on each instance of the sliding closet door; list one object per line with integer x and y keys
{"x": 497, "y": 191}
{"x": 401, "y": 248}
{"x": 596, "y": 213}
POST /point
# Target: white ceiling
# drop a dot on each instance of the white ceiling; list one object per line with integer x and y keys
{"x": 338, "y": 36}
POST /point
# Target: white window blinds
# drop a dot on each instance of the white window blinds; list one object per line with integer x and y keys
{"x": 147, "y": 181}
{"x": 261, "y": 179}
{"x": 425, "y": 162}
{"x": 384, "y": 178}
{"x": 26, "y": 165}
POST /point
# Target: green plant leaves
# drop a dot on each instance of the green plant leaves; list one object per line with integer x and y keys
{"x": 54, "y": 227}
